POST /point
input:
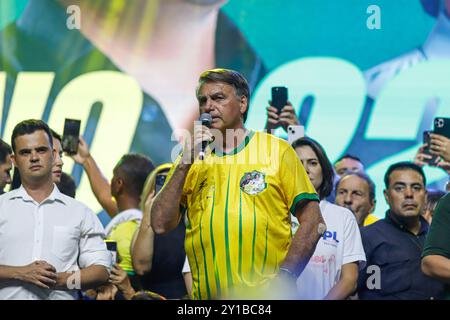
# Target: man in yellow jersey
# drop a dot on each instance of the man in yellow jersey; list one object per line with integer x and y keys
{"x": 238, "y": 199}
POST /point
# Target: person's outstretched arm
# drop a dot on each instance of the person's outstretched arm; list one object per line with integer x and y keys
{"x": 142, "y": 243}
{"x": 99, "y": 184}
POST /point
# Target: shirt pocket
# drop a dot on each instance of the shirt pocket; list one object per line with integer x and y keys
{"x": 64, "y": 243}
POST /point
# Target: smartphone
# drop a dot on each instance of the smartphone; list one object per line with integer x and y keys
{"x": 159, "y": 183}
{"x": 71, "y": 136}
{"x": 426, "y": 140}
{"x": 279, "y": 97}
{"x": 111, "y": 245}
{"x": 294, "y": 133}
{"x": 442, "y": 126}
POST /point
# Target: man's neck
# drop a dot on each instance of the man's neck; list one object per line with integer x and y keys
{"x": 39, "y": 191}
{"x": 126, "y": 203}
{"x": 234, "y": 138}
{"x": 412, "y": 224}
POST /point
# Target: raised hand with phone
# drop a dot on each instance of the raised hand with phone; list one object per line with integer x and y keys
{"x": 70, "y": 136}
{"x": 440, "y": 146}
{"x": 440, "y": 139}
{"x": 435, "y": 150}
{"x": 99, "y": 184}
{"x": 280, "y": 111}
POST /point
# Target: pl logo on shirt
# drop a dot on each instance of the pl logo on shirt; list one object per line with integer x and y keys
{"x": 330, "y": 236}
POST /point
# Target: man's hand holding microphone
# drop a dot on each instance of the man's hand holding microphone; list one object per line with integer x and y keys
{"x": 196, "y": 145}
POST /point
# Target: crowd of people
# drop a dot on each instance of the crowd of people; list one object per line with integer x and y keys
{"x": 256, "y": 218}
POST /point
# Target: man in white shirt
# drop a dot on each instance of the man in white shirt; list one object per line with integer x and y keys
{"x": 50, "y": 244}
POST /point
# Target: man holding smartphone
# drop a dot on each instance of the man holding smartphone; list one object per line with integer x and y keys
{"x": 435, "y": 151}
{"x": 127, "y": 184}
{"x": 283, "y": 117}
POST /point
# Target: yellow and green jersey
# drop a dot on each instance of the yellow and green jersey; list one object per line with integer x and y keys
{"x": 123, "y": 234}
{"x": 238, "y": 222}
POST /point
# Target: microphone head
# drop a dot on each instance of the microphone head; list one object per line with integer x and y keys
{"x": 206, "y": 119}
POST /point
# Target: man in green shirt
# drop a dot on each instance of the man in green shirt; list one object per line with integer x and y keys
{"x": 436, "y": 253}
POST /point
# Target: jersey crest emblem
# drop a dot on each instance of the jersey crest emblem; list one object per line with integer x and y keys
{"x": 253, "y": 182}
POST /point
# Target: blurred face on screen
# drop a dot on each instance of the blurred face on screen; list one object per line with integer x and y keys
{"x": 206, "y": 2}
{"x": 118, "y": 3}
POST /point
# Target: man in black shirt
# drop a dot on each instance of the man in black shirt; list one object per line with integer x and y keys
{"x": 394, "y": 245}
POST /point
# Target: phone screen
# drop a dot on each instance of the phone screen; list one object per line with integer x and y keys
{"x": 71, "y": 135}
{"x": 159, "y": 183}
{"x": 279, "y": 97}
{"x": 111, "y": 245}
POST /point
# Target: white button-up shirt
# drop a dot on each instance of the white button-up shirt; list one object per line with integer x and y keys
{"x": 60, "y": 230}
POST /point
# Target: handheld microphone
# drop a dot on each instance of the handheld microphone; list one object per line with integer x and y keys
{"x": 205, "y": 119}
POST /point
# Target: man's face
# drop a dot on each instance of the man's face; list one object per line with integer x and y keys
{"x": 5, "y": 172}
{"x": 57, "y": 163}
{"x": 353, "y": 193}
{"x": 348, "y": 165}
{"x": 34, "y": 156}
{"x": 219, "y": 99}
{"x": 406, "y": 194}
{"x": 311, "y": 163}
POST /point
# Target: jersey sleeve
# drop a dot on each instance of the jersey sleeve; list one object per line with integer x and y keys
{"x": 294, "y": 180}
{"x": 438, "y": 238}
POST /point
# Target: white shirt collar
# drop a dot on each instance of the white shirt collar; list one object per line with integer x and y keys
{"x": 438, "y": 42}
{"x": 21, "y": 192}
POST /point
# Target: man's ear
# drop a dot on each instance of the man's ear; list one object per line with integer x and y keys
{"x": 386, "y": 196}
{"x": 120, "y": 185}
{"x": 243, "y": 104}
{"x": 426, "y": 197}
{"x": 373, "y": 205}
{"x": 13, "y": 159}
